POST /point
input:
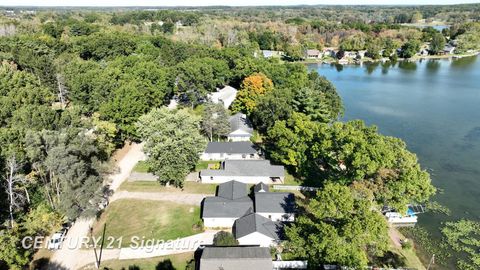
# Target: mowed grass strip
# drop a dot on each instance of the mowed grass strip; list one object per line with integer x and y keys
{"x": 152, "y": 186}
{"x": 149, "y": 219}
{"x": 179, "y": 262}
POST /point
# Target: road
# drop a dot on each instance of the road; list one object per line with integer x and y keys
{"x": 71, "y": 256}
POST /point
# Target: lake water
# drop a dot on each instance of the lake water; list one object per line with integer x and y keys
{"x": 433, "y": 105}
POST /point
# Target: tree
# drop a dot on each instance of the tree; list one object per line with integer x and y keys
{"x": 253, "y": 87}
{"x": 464, "y": 236}
{"x": 14, "y": 188}
{"x": 223, "y": 238}
{"x": 11, "y": 250}
{"x": 172, "y": 142}
{"x": 339, "y": 228}
{"x": 437, "y": 44}
{"x": 410, "y": 48}
{"x": 215, "y": 121}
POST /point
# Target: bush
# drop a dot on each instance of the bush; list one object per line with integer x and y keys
{"x": 223, "y": 238}
{"x": 407, "y": 244}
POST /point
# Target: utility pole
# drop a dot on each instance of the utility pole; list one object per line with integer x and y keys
{"x": 98, "y": 257}
{"x": 432, "y": 262}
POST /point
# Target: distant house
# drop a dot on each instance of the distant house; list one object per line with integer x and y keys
{"x": 245, "y": 171}
{"x": 448, "y": 49}
{"x": 236, "y": 258}
{"x": 276, "y": 206}
{"x": 313, "y": 53}
{"x": 240, "y": 128}
{"x": 270, "y": 54}
{"x": 230, "y": 203}
{"x": 224, "y": 96}
{"x": 330, "y": 51}
{"x": 229, "y": 150}
{"x": 254, "y": 229}
{"x": 361, "y": 54}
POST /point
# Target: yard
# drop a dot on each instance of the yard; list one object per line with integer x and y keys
{"x": 178, "y": 262}
{"x": 151, "y": 186}
{"x": 149, "y": 219}
{"x": 141, "y": 167}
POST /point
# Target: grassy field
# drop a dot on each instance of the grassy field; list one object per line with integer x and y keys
{"x": 203, "y": 164}
{"x": 141, "y": 167}
{"x": 151, "y": 186}
{"x": 179, "y": 262}
{"x": 149, "y": 219}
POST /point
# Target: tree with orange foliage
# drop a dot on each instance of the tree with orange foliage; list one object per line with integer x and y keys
{"x": 253, "y": 87}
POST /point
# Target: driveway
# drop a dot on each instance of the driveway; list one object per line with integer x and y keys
{"x": 176, "y": 197}
{"x": 69, "y": 257}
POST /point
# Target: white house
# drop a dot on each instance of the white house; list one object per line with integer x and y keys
{"x": 230, "y": 203}
{"x": 236, "y": 258}
{"x": 240, "y": 128}
{"x": 246, "y": 171}
{"x": 225, "y": 96}
{"x": 254, "y": 229}
{"x": 313, "y": 53}
{"x": 229, "y": 150}
{"x": 276, "y": 206}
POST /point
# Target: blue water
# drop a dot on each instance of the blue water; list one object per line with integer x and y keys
{"x": 434, "y": 106}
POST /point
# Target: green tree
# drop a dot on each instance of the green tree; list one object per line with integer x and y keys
{"x": 11, "y": 251}
{"x": 437, "y": 44}
{"x": 410, "y": 48}
{"x": 338, "y": 227}
{"x": 215, "y": 121}
{"x": 172, "y": 142}
{"x": 223, "y": 238}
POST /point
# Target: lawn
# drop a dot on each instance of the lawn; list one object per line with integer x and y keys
{"x": 203, "y": 164}
{"x": 149, "y": 219}
{"x": 179, "y": 262}
{"x": 152, "y": 186}
{"x": 141, "y": 167}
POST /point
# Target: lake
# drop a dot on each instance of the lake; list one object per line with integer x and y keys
{"x": 433, "y": 105}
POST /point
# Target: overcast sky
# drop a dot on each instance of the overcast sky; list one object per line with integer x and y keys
{"x": 223, "y": 3}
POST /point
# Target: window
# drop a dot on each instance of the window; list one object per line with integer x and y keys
{"x": 211, "y": 178}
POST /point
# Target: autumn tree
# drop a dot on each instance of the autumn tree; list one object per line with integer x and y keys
{"x": 172, "y": 142}
{"x": 338, "y": 228}
{"x": 253, "y": 87}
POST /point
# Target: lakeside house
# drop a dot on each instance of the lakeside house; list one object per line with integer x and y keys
{"x": 229, "y": 150}
{"x": 236, "y": 258}
{"x": 246, "y": 171}
{"x": 313, "y": 53}
{"x": 241, "y": 128}
{"x": 448, "y": 49}
{"x": 232, "y": 202}
{"x": 225, "y": 96}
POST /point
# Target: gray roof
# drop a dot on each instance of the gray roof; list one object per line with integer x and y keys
{"x": 274, "y": 202}
{"x": 232, "y": 190}
{"x": 246, "y": 168}
{"x": 261, "y": 187}
{"x": 218, "y": 207}
{"x": 236, "y": 258}
{"x": 256, "y": 223}
{"x": 240, "y": 121}
{"x": 231, "y": 148}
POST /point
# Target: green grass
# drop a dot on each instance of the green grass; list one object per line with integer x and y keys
{"x": 149, "y": 219}
{"x": 153, "y": 186}
{"x": 179, "y": 262}
{"x": 291, "y": 180}
{"x": 203, "y": 164}
{"x": 141, "y": 167}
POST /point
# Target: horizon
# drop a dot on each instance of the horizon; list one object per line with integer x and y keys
{"x": 219, "y": 3}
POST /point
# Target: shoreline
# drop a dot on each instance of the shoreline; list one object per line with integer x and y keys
{"x": 384, "y": 60}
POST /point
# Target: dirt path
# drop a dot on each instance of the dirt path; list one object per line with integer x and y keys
{"x": 70, "y": 256}
{"x": 182, "y": 198}
{"x": 395, "y": 236}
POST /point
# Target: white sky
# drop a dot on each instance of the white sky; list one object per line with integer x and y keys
{"x": 224, "y": 2}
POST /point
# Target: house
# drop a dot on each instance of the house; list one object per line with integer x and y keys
{"x": 240, "y": 128}
{"x": 230, "y": 203}
{"x": 229, "y": 150}
{"x": 235, "y": 258}
{"x": 313, "y": 53}
{"x": 330, "y": 51}
{"x": 246, "y": 171}
{"x": 448, "y": 49}
{"x": 276, "y": 206}
{"x": 225, "y": 96}
{"x": 361, "y": 54}
{"x": 270, "y": 54}
{"x": 254, "y": 229}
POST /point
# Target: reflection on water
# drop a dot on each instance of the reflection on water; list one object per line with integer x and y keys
{"x": 434, "y": 105}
